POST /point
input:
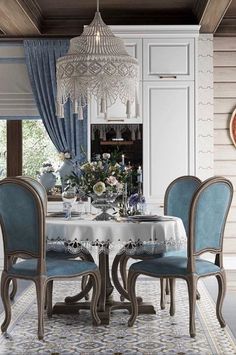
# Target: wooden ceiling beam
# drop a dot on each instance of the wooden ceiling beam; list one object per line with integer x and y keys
{"x": 20, "y": 18}
{"x": 209, "y": 13}
{"x": 61, "y": 26}
{"x": 227, "y": 27}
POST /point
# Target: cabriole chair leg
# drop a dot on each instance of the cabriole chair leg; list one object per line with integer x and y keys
{"x": 192, "y": 289}
{"x": 5, "y": 282}
{"x": 221, "y": 295}
{"x": 172, "y": 296}
{"x": 49, "y": 291}
{"x": 40, "y": 291}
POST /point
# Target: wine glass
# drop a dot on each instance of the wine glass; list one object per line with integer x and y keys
{"x": 68, "y": 197}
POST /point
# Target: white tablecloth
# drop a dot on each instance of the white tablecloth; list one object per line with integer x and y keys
{"x": 165, "y": 235}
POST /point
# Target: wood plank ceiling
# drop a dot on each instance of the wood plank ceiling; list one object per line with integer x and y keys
{"x": 60, "y": 18}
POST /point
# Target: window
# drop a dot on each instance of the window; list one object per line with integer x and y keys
{"x": 37, "y": 148}
{"x": 28, "y": 146}
{"x": 3, "y": 149}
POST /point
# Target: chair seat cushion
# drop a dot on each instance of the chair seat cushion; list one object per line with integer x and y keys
{"x": 173, "y": 265}
{"x": 55, "y": 267}
{"x": 60, "y": 254}
{"x": 149, "y": 254}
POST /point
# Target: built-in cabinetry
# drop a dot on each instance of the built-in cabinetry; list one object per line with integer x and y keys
{"x": 168, "y": 59}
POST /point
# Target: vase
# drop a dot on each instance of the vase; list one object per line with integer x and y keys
{"x": 65, "y": 171}
{"x": 48, "y": 180}
{"x": 104, "y": 202}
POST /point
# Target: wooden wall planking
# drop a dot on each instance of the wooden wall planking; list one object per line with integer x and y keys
{"x": 224, "y": 60}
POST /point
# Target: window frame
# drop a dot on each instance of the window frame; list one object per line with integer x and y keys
{"x": 14, "y": 147}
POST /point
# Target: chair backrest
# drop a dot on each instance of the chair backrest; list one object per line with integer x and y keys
{"x": 208, "y": 214}
{"x": 39, "y": 188}
{"x": 22, "y": 218}
{"x": 178, "y": 198}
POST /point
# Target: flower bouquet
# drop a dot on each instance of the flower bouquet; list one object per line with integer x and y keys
{"x": 103, "y": 180}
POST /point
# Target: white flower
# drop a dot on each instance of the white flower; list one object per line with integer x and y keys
{"x": 119, "y": 187}
{"x": 111, "y": 180}
{"x": 67, "y": 155}
{"x": 106, "y": 155}
{"x": 100, "y": 166}
{"x": 64, "y": 156}
{"x": 47, "y": 169}
{"x": 99, "y": 188}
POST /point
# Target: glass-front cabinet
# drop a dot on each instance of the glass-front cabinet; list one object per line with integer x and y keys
{"x": 124, "y": 139}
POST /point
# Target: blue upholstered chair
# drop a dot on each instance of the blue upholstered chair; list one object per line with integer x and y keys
{"x": 177, "y": 202}
{"x": 86, "y": 286}
{"x": 22, "y": 218}
{"x": 208, "y": 213}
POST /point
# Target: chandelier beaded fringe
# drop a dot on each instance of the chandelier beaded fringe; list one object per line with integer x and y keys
{"x": 97, "y": 64}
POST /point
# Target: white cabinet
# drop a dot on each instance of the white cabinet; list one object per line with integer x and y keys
{"x": 168, "y": 62}
{"x": 168, "y": 58}
{"x": 117, "y": 112}
{"x": 168, "y": 135}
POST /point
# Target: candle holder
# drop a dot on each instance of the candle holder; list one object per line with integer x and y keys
{"x": 125, "y": 201}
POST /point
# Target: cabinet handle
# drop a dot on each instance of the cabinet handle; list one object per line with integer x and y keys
{"x": 115, "y": 120}
{"x": 167, "y": 76}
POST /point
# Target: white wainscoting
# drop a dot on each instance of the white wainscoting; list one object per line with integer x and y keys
{"x": 205, "y": 150}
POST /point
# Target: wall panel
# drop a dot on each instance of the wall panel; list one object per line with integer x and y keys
{"x": 224, "y": 103}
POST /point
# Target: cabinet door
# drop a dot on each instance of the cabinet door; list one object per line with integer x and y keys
{"x": 168, "y": 59}
{"x": 117, "y": 112}
{"x": 168, "y": 135}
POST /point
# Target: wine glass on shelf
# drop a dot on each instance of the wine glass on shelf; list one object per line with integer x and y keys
{"x": 68, "y": 197}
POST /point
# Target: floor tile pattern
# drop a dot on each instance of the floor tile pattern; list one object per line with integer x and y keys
{"x": 151, "y": 334}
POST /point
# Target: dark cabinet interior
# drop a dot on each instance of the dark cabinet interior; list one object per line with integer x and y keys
{"x": 126, "y": 139}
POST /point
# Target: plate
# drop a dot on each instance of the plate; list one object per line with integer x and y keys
{"x": 150, "y": 218}
{"x": 145, "y": 216}
{"x": 62, "y": 214}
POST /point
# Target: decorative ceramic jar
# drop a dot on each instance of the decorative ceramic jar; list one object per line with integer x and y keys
{"x": 65, "y": 171}
{"x": 48, "y": 180}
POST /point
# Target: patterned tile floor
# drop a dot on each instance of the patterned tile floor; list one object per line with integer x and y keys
{"x": 151, "y": 334}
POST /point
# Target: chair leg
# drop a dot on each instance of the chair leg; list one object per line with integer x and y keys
{"x": 40, "y": 291}
{"x": 5, "y": 282}
{"x": 172, "y": 296}
{"x": 167, "y": 287}
{"x": 132, "y": 277}
{"x": 123, "y": 265}
{"x": 221, "y": 278}
{"x": 96, "y": 278}
{"x": 14, "y": 289}
{"x": 114, "y": 271}
{"x": 83, "y": 285}
{"x": 49, "y": 290}
{"x": 163, "y": 292}
{"x": 192, "y": 290}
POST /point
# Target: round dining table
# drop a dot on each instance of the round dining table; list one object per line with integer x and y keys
{"x": 79, "y": 237}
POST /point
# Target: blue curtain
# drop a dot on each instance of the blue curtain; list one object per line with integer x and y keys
{"x": 67, "y": 134}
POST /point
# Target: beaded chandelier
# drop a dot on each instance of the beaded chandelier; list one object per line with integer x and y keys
{"x": 97, "y": 64}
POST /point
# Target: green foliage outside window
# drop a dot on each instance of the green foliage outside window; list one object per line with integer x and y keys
{"x": 37, "y": 148}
